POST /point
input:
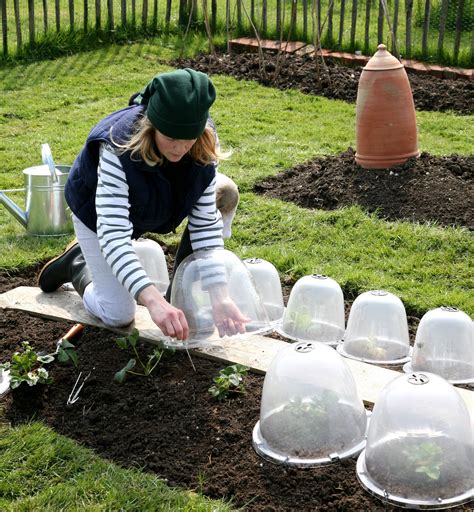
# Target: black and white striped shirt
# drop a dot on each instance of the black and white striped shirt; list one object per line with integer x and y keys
{"x": 114, "y": 228}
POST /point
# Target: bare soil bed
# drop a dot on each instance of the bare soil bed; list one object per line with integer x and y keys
{"x": 169, "y": 424}
{"x": 335, "y": 81}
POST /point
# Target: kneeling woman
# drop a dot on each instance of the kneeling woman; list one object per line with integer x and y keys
{"x": 145, "y": 168}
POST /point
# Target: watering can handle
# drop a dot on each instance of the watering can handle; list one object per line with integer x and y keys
{"x": 47, "y": 158}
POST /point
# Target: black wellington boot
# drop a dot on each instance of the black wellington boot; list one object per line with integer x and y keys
{"x": 58, "y": 270}
{"x": 70, "y": 266}
{"x": 80, "y": 274}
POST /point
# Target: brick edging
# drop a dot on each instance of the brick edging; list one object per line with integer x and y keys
{"x": 298, "y": 48}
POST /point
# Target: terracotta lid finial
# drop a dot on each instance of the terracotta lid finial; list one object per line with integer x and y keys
{"x": 382, "y": 60}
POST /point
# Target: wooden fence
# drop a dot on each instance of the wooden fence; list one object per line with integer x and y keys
{"x": 426, "y": 29}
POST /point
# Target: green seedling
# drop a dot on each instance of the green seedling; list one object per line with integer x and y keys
{"x": 427, "y": 458}
{"x": 27, "y": 366}
{"x": 229, "y": 380}
{"x": 130, "y": 343}
{"x": 316, "y": 407}
{"x": 66, "y": 352}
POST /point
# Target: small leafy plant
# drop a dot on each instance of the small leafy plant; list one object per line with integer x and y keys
{"x": 27, "y": 366}
{"x": 130, "y": 342}
{"x": 66, "y": 352}
{"x": 427, "y": 458}
{"x": 229, "y": 380}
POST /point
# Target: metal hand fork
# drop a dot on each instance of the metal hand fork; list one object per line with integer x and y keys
{"x": 78, "y": 385}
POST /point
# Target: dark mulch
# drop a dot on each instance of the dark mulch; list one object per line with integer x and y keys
{"x": 337, "y": 82}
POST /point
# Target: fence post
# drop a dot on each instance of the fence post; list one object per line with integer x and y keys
{"x": 239, "y": 13}
{"x": 86, "y": 16}
{"x": 380, "y": 24}
{"x": 341, "y": 22}
{"x": 16, "y": 8}
{"x": 354, "y": 22}
{"x": 396, "y": 7}
{"x": 45, "y": 15}
{"x": 318, "y": 13}
{"x": 264, "y": 17}
{"x": 278, "y": 17}
{"x": 214, "y": 15}
{"x": 97, "y": 15}
{"x": 182, "y": 13}
{"x": 110, "y": 15}
{"x": 4, "y": 27}
{"x": 330, "y": 25}
{"x": 31, "y": 16}
{"x": 57, "y": 14}
{"x": 155, "y": 17}
{"x": 457, "y": 37}
{"x": 123, "y": 12}
{"x": 71, "y": 14}
{"x": 168, "y": 15}
{"x": 409, "y": 16}
{"x": 368, "y": 5}
{"x": 443, "y": 16}
{"x": 426, "y": 28}
{"x": 305, "y": 18}
{"x": 293, "y": 18}
{"x": 145, "y": 14}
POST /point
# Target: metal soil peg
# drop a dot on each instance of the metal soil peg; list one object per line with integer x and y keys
{"x": 386, "y": 133}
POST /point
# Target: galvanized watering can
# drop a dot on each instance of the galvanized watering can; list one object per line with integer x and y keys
{"x": 47, "y": 213}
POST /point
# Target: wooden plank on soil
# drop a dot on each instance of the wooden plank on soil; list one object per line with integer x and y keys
{"x": 254, "y": 351}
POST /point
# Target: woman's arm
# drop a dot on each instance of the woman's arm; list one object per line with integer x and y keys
{"x": 114, "y": 231}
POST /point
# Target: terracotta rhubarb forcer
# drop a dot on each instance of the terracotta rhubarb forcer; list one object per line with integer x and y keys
{"x": 386, "y": 132}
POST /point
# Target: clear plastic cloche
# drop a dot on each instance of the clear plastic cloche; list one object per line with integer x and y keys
{"x": 310, "y": 412}
{"x": 377, "y": 329}
{"x": 315, "y": 311}
{"x": 152, "y": 259}
{"x": 268, "y": 284}
{"x": 444, "y": 344}
{"x": 420, "y": 446}
{"x": 205, "y": 276}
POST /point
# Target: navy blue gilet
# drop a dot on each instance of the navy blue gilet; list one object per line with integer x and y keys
{"x": 154, "y": 205}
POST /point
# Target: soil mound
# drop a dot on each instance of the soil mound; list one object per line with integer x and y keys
{"x": 425, "y": 189}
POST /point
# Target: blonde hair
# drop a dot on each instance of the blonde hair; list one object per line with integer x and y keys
{"x": 142, "y": 146}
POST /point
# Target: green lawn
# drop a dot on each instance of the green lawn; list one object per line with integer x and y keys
{"x": 269, "y": 131}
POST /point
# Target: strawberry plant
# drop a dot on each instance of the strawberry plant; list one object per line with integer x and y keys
{"x": 229, "y": 380}
{"x": 147, "y": 367}
{"x": 27, "y": 366}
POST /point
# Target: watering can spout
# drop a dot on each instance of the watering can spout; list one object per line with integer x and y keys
{"x": 15, "y": 210}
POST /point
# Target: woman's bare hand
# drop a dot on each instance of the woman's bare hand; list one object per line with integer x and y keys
{"x": 168, "y": 318}
{"x": 227, "y": 316}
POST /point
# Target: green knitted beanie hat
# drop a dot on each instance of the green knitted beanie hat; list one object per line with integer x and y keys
{"x": 179, "y": 102}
